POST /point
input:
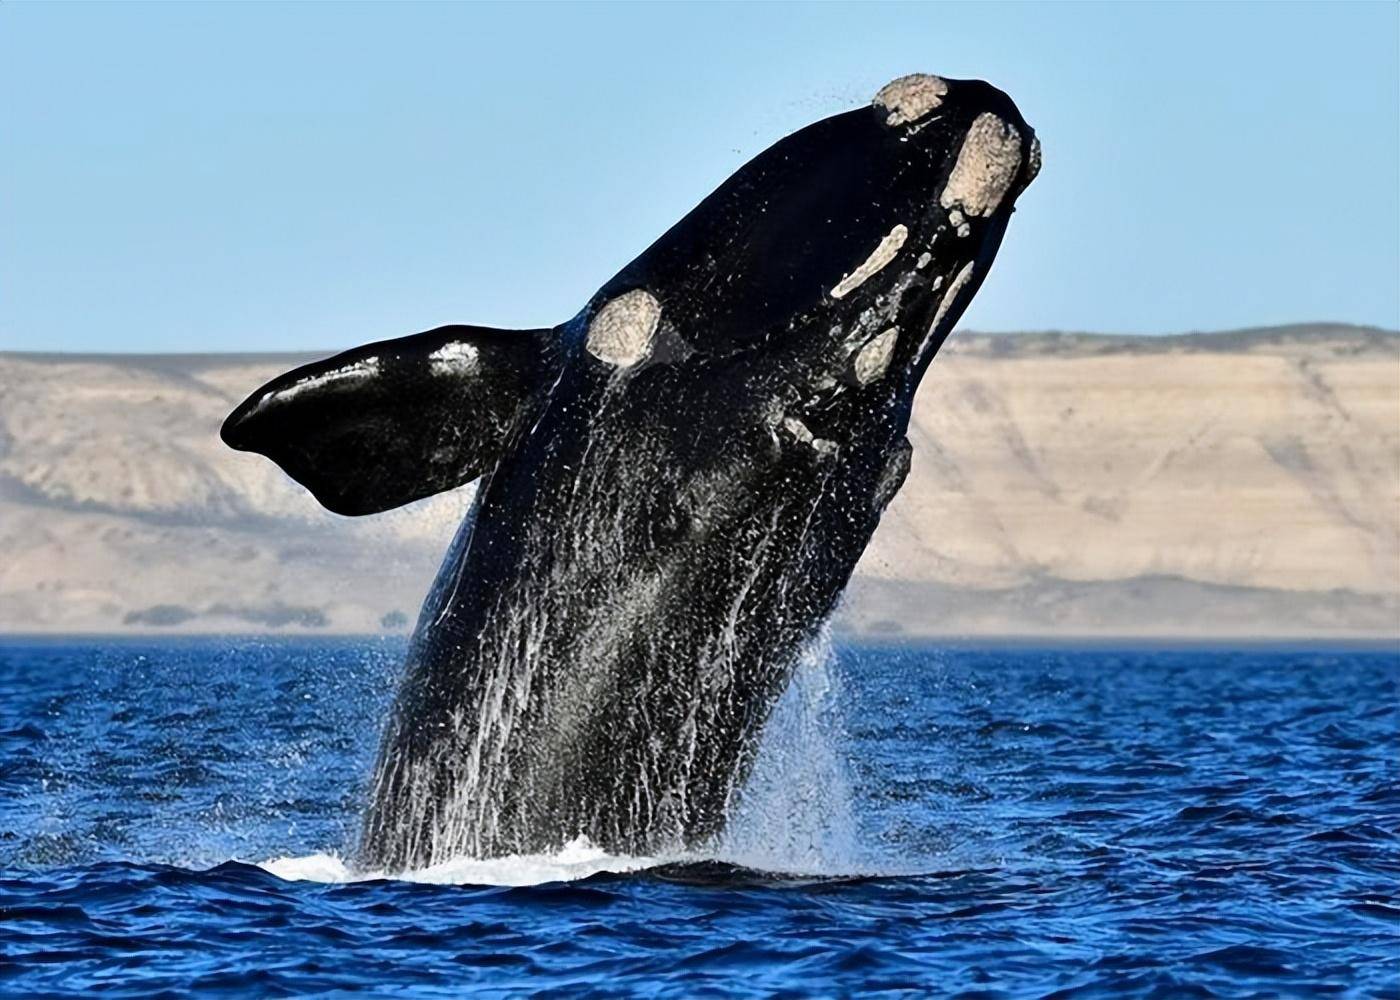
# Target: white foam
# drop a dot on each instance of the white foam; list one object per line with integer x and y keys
{"x": 578, "y": 859}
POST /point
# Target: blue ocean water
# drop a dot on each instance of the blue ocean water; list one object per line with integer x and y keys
{"x": 968, "y": 821}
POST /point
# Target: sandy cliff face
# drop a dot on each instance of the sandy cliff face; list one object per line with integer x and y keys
{"x": 1245, "y": 482}
{"x": 1242, "y": 469}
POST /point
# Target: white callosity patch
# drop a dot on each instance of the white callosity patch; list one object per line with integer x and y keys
{"x": 623, "y": 330}
{"x": 882, "y": 255}
{"x": 454, "y": 356}
{"x": 883, "y": 311}
{"x": 804, "y": 434}
{"x": 911, "y": 97}
{"x": 893, "y": 475}
{"x": 873, "y": 360}
{"x": 797, "y": 429}
{"x": 950, "y": 296}
{"x": 360, "y": 371}
{"x": 1033, "y": 160}
{"x": 987, "y": 163}
{"x": 959, "y": 224}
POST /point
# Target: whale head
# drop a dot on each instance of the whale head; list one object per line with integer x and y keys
{"x": 821, "y": 277}
{"x": 844, "y": 253}
{"x": 827, "y": 271}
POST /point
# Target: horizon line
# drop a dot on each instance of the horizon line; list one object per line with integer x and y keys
{"x": 1300, "y": 327}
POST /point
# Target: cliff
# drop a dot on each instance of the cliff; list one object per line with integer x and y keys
{"x": 1241, "y": 483}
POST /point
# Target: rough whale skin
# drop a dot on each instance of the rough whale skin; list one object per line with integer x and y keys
{"x": 676, "y": 484}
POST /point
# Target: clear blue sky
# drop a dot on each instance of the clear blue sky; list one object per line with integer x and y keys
{"x": 254, "y": 177}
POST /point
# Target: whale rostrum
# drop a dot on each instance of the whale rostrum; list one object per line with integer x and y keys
{"x": 675, "y": 485}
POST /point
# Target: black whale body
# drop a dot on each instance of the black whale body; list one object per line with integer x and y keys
{"x": 677, "y": 483}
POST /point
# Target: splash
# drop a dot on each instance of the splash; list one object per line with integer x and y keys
{"x": 794, "y": 815}
{"x": 796, "y": 812}
{"x": 577, "y": 860}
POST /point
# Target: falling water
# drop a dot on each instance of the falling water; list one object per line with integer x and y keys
{"x": 617, "y": 638}
{"x": 796, "y": 812}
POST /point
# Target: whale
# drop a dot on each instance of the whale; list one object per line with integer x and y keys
{"x": 674, "y": 486}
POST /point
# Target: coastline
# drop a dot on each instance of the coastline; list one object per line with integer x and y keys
{"x": 1233, "y": 484}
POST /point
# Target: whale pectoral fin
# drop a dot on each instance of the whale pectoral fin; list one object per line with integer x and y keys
{"x": 384, "y": 424}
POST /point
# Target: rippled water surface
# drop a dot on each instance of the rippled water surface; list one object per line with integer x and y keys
{"x": 988, "y": 821}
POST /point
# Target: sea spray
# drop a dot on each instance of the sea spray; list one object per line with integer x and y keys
{"x": 576, "y": 860}
{"x": 796, "y": 811}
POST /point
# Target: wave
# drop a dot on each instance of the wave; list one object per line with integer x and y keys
{"x": 579, "y": 859}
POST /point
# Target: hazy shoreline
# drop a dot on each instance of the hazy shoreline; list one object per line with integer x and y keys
{"x": 1229, "y": 485}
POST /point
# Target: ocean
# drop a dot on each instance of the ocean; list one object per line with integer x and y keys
{"x": 967, "y": 820}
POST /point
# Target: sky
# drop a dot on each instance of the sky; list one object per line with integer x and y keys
{"x": 220, "y": 177}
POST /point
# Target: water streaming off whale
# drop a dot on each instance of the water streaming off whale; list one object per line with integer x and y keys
{"x": 528, "y": 753}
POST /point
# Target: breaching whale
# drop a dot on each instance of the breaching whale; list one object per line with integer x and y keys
{"x": 676, "y": 484}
